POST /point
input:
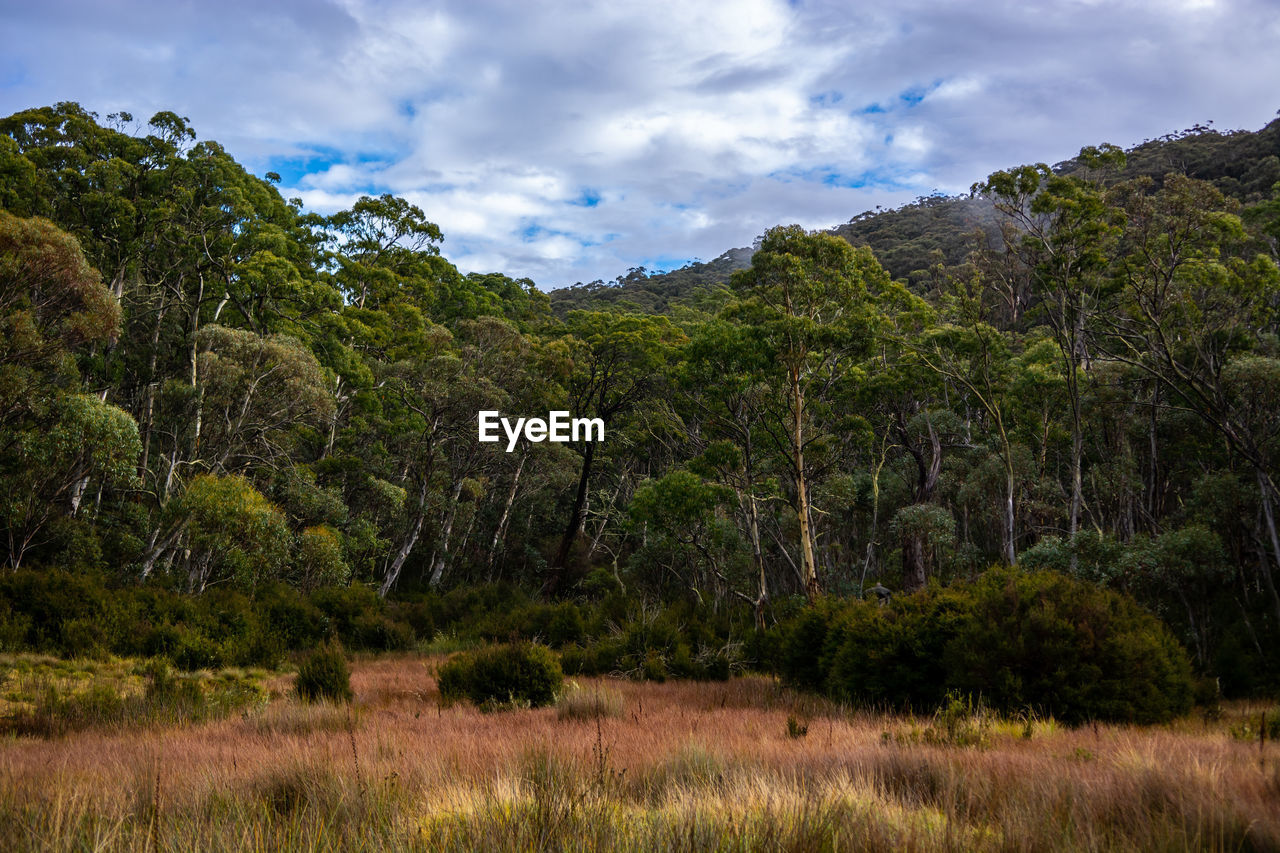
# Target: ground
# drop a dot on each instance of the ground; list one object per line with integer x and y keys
{"x": 739, "y": 765}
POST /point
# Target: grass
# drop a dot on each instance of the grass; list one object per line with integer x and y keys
{"x": 679, "y": 766}
{"x": 588, "y": 703}
{"x": 45, "y": 697}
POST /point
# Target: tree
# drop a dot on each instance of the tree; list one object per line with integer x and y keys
{"x": 805, "y": 296}
{"x": 52, "y": 303}
{"x": 724, "y": 375}
{"x": 1065, "y": 229}
{"x": 614, "y": 361}
{"x": 53, "y": 439}
{"x": 47, "y": 465}
{"x": 233, "y": 534}
{"x": 1195, "y": 321}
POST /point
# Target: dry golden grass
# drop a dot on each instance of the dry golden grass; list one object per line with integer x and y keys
{"x": 685, "y": 766}
{"x": 588, "y": 703}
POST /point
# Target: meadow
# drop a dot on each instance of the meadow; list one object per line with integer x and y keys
{"x": 614, "y": 765}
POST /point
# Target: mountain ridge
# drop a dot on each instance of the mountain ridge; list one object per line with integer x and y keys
{"x": 910, "y": 239}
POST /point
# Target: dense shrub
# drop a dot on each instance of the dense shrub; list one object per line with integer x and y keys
{"x": 891, "y": 657}
{"x": 1019, "y": 640}
{"x": 556, "y": 625}
{"x": 324, "y": 675}
{"x": 503, "y": 676}
{"x": 184, "y": 647}
{"x": 1067, "y": 648}
{"x": 81, "y": 616}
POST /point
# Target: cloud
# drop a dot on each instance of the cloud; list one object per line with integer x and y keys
{"x": 567, "y": 141}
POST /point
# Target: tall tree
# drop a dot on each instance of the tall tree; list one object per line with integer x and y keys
{"x": 614, "y": 361}
{"x": 1065, "y": 230}
{"x": 806, "y": 298}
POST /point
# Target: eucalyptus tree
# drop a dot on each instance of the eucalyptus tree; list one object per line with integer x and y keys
{"x": 725, "y": 374}
{"x": 1202, "y": 321}
{"x": 1064, "y": 231}
{"x": 613, "y": 362}
{"x": 53, "y": 437}
{"x": 977, "y": 359}
{"x": 805, "y": 298}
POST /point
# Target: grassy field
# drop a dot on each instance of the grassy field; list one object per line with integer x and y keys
{"x": 742, "y": 765}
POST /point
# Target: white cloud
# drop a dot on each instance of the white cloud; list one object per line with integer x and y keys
{"x": 569, "y": 141}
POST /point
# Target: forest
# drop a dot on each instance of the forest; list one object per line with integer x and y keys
{"x": 231, "y": 427}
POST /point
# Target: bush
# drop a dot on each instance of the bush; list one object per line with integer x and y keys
{"x": 893, "y": 656}
{"x": 1069, "y": 649}
{"x": 507, "y": 675}
{"x": 1019, "y": 640}
{"x": 185, "y": 648}
{"x": 324, "y": 675}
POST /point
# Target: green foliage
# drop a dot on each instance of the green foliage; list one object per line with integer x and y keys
{"x": 1067, "y": 649}
{"x": 51, "y": 706}
{"x": 1019, "y": 640}
{"x": 319, "y": 559}
{"x": 502, "y": 676}
{"x": 253, "y": 417}
{"x": 324, "y": 675}
{"x": 235, "y": 532}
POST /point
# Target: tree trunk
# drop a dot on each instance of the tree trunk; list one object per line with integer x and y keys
{"x": 506, "y": 514}
{"x": 195, "y": 358}
{"x": 442, "y": 554}
{"x": 808, "y": 565}
{"x": 1010, "y": 556}
{"x": 154, "y": 552}
{"x": 77, "y": 491}
{"x": 914, "y": 564}
{"x": 875, "y": 515}
{"x": 1268, "y": 514}
{"x": 1077, "y": 482}
{"x": 406, "y": 547}
{"x": 747, "y": 503}
{"x": 575, "y": 521}
{"x": 148, "y": 423}
{"x": 915, "y": 554}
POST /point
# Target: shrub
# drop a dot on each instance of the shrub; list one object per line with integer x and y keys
{"x": 1019, "y": 640}
{"x": 892, "y": 656}
{"x": 378, "y": 633}
{"x": 577, "y": 661}
{"x": 502, "y": 676}
{"x": 83, "y": 638}
{"x": 187, "y": 649}
{"x": 565, "y": 625}
{"x": 800, "y": 661}
{"x": 291, "y": 616}
{"x": 1069, "y": 649}
{"x": 324, "y": 675}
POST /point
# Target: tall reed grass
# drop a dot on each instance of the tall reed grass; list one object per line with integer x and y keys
{"x": 683, "y": 766}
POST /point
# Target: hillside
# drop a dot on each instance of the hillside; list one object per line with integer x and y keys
{"x": 910, "y": 239}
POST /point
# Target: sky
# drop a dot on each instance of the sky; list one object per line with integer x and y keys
{"x": 574, "y": 141}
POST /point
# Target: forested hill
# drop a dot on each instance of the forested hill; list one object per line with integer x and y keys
{"x": 208, "y": 389}
{"x": 911, "y": 240}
